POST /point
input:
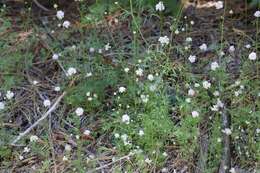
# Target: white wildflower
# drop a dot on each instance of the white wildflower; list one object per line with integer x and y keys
{"x": 126, "y": 69}
{"x": 87, "y": 132}
{"x": 107, "y": 47}
{"x": 206, "y": 84}
{"x": 55, "y": 56}
{"x": 139, "y": 72}
{"x": 126, "y": 119}
{"x": 26, "y": 150}
{"x": 9, "y": 95}
{"x": 2, "y": 105}
{"x": 192, "y": 58}
{"x": 214, "y": 66}
{"x": 79, "y": 111}
{"x": 164, "y": 40}
{"x": 195, "y": 114}
{"x": 71, "y": 71}
{"x": 231, "y": 49}
{"x": 248, "y": 46}
{"x": 141, "y": 133}
{"x": 122, "y": 89}
{"x": 227, "y": 131}
{"x": 34, "y": 138}
{"x": 60, "y": 15}
{"x": 47, "y": 103}
{"x": 66, "y": 24}
{"x": 57, "y": 88}
{"x": 257, "y": 14}
{"x": 117, "y": 135}
{"x": 68, "y": 147}
{"x": 252, "y": 56}
{"x": 160, "y": 6}
{"x": 191, "y": 92}
{"x": 150, "y": 77}
{"x": 188, "y": 39}
{"x": 203, "y": 47}
{"x": 219, "y": 5}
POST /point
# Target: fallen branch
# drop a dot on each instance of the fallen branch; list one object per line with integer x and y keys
{"x": 104, "y": 166}
{"x": 225, "y": 164}
{"x": 52, "y": 108}
{"x": 40, "y": 5}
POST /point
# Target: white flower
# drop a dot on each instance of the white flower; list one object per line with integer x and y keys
{"x": 68, "y": 147}
{"x": 87, "y": 132}
{"x": 231, "y": 49}
{"x": 206, "y": 84}
{"x": 192, "y": 58}
{"x": 9, "y": 95}
{"x": 220, "y": 103}
{"x": 71, "y": 71}
{"x": 26, "y": 150}
{"x": 232, "y": 170}
{"x": 160, "y": 6}
{"x": 191, "y": 92}
{"x": 188, "y": 100}
{"x": 196, "y": 85}
{"x": 214, "y": 66}
{"x": 126, "y": 119}
{"x": 192, "y": 22}
{"x": 188, "y": 39}
{"x": 55, "y": 56}
{"x": 147, "y": 160}
{"x": 195, "y": 114}
{"x": 107, "y": 46}
{"x": 231, "y": 12}
{"x": 35, "y": 82}
{"x": 65, "y": 158}
{"x": 141, "y": 133}
{"x": 79, "y": 111}
{"x": 176, "y": 31}
{"x": 165, "y": 154}
{"x": 122, "y": 89}
{"x": 126, "y": 69}
{"x": 57, "y": 88}
{"x": 257, "y": 14}
{"x": 66, "y": 24}
{"x": 227, "y": 131}
{"x": 2, "y": 105}
{"x": 164, "y": 40}
{"x": 89, "y": 74}
{"x": 152, "y": 87}
{"x": 21, "y": 157}
{"x": 216, "y": 93}
{"x": 252, "y": 56}
{"x": 124, "y": 137}
{"x": 219, "y": 5}
{"x": 60, "y": 15}
{"x": 145, "y": 98}
{"x": 203, "y": 47}
{"x": 164, "y": 170}
{"x": 117, "y": 135}
{"x": 150, "y": 77}
{"x": 34, "y": 138}
{"x": 92, "y": 49}
{"x": 139, "y": 72}
{"x": 248, "y": 46}
{"x": 47, "y": 103}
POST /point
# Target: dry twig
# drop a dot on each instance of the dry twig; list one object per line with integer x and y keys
{"x": 52, "y": 108}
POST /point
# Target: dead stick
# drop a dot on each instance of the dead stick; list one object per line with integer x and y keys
{"x": 40, "y": 5}
{"x": 52, "y": 108}
{"x": 225, "y": 164}
{"x": 104, "y": 166}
